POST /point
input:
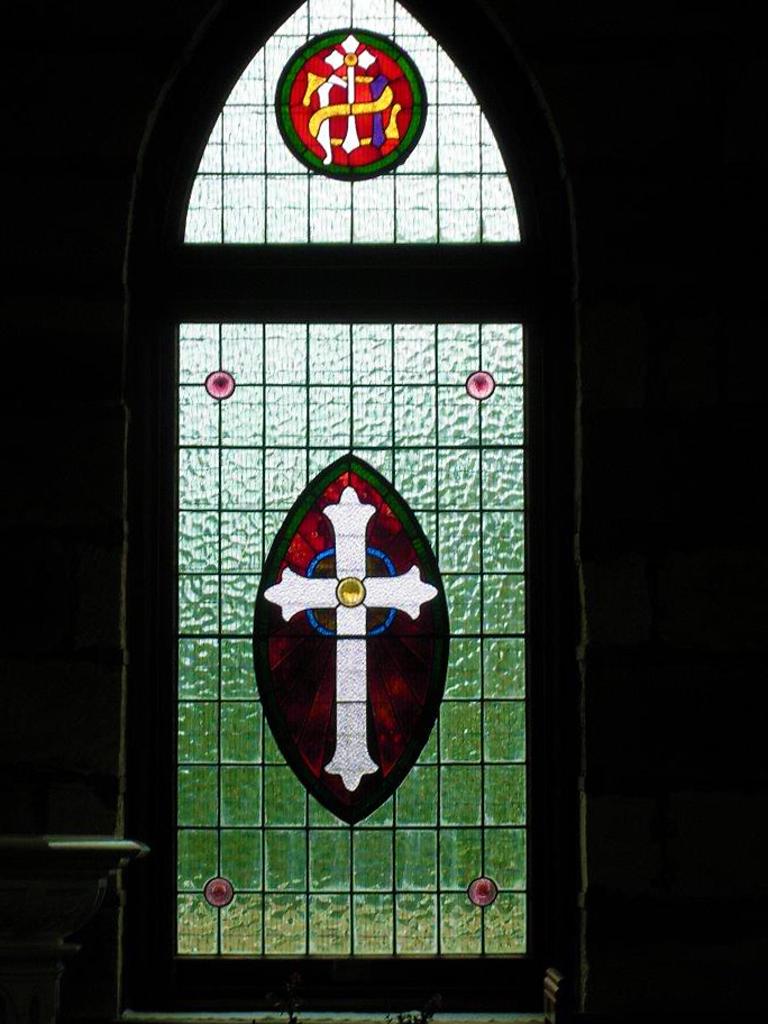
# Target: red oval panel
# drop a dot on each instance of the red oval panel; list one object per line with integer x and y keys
{"x": 351, "y": 676}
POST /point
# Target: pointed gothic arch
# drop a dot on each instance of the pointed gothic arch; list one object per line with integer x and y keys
{"x": 170, "y": 282}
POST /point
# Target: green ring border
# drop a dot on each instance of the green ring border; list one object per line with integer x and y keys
{"x": 311, "y": 160}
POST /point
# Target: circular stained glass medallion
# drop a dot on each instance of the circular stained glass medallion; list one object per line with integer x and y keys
{"x": 483, "y": 891}
{"x": 350, "y": 104}
{"x": 480, "y": 385}
{"x": 220, "y": 384}
{"x": 219, "y": 892}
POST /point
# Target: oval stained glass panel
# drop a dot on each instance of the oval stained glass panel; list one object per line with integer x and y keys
{"x": 351, "y": 638}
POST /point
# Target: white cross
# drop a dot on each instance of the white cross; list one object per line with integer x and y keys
{"x": 350, "y": 60}
{"x": 351, "y": 593}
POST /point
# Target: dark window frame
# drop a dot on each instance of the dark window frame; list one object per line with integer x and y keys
{"x": 168, "y": 283}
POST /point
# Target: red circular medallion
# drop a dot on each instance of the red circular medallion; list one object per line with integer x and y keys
{"x": 483, "y": 891}
{"x": 351, "y": 104}
{"x": 219, "y": 892}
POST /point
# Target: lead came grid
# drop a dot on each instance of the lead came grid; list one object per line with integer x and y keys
{"x": 395, "y": 883}
{"x": 452, "y": 188}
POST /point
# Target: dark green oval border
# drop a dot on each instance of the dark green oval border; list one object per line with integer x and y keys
{"x": 261, "y": 635}
{"x": 310, "y": 159}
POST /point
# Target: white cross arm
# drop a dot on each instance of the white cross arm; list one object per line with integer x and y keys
{"x": 296, "y": 593}
{"x": 350, "y": 519}
{"x": 407, "y": 593}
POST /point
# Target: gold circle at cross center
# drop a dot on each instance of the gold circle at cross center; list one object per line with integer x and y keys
{"x": 350, "y": 592}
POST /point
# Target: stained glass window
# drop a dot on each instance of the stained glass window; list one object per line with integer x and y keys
{"x": 264, "y": 869}
{"x": 449, "y": 185}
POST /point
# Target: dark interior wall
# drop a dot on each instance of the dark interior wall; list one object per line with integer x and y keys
{"x": 658, "y": 110}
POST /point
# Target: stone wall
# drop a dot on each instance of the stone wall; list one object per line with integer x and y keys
{"x": 656, "y": 107}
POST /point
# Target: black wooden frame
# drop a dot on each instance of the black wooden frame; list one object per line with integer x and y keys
{"x": 168, "y": 283}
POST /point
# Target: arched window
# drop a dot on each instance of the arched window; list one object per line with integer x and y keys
{"x": 349, "y": 545}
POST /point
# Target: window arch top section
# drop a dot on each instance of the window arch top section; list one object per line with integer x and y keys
{"x": 449, "y": 185}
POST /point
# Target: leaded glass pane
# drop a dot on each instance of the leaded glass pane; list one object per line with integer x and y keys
{"x": 451, "y": 187}
{"x": 303, "y": 881}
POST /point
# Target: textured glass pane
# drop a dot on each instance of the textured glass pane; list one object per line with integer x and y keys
{"x": 458, "y": 352}
{"x": 204, "y": 210}
{"x": 330, "y": 214}
{"x": 416, "y": 923}
{"x": 198, "y": 541}
{"x": 286, "y": 416}
{"x": 460, "y": 795}
{"x": 196, "y": 858}
{"x": 241, "y": 416}
{"x": 241, "y": 857}
{"x": 241, "y": 478}
{"x": 285, "y": 477}
{"x": 503, "y": 416}
{"x": 237, "y": 596}
{"x": 243, "y": 137}
{"x": 285, "y": 921}
{"x": 373, "y": 925}
{"x": 330, "y": 350}
{"x": 330, "y": 412}
{"x": 416, "y": 208}
{"x": 241, "y": 731}
{"x": 372, "y": 859}
{"x": 460, "y": 857}
{"x": 287, "y": 208}
{"x": 503, "y": 480}
{"x": 242, "y": 351}
{"x": 503, "y": 352}
{"x": 428, "y": 754}
{"x": 415, "y": 859}
{"x": 463, "y": 594}
{"x": 460, "y": 731}
{"x": 237, "y": 676}
{"x": 198, "y": 352}
{"x": 243, "y": 216}
{"x": 198, "y": 416}
{"x": 240, "y": 795}
{"x": 197, "y": 926}
{"x": 414, "y": 353}
{"x": 459, "y": 475}
{"x": 457, "y": 416}
{"x": 284, "y": 797}
{"x": 198, "y": 731}
{"x": 505, "y": 924}
{"x": 373, "y": 210}
{"x": 241, "y": 925}
{"x": 504, "y": 668}
{"x": 197, "y": 795}
{"x": 329, "y": 925}
{"x": 285, "y": 853}
{"x": 505, "y": 857}
{"x": 286, "y": 355}
{"x": 504, "y": 604}
{"x": 198, "y": 477}
{"x": 329, "y": 854}
{"x": 458, "y": 139}
{"x": 499, "y": 213}
{"x": 198, "y": 604}
{"x": 463, "y": 680}
{"x": 415, "y": 416}
{"x": 372, "y": 416}
{"x": 504, "y": 723}
{"x": 417, "y": 797}
{"x": 198, "y": 668}
{"x": 504, "y": 541}
{"x": 372, "y": 353}
{"x": 379, "y": 458}
{"x": 459, "y": 208}
{"x": 460, "y": 924}
{"x": 460, "y": 542}
{"x": 240, "y": 542}
{"x": 415, "y": 476}
{"x": 505, "y": 795}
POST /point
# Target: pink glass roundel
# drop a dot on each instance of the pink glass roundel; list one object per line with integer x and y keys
{"x": 220, "y": 384}
{"x": 219, "y": 892}
{"x": 480, "y": 385}
{"x": 483, "y": 891}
